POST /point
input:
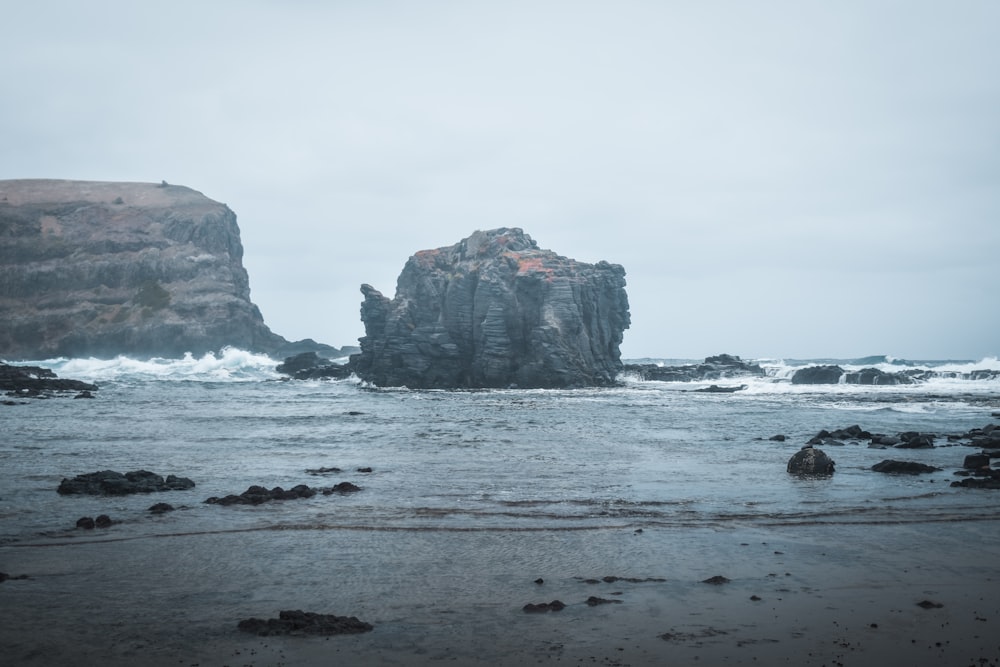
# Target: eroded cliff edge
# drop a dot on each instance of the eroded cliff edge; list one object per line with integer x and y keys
{"x": 102, "y": 269}
{"x": 495, "y": 310}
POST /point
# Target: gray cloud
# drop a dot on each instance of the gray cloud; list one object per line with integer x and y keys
{"x": 778, "y": 179}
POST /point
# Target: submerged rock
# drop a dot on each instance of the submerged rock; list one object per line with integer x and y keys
{"x": 903, "y": 467}
{"x": 495, "y": 310}
{"x": 111, "y": 483}
{"x": 810, "y": 461}
{"x": 256, "y": 495}
{"x": 541, "y": 607}
{"x": 295, "y": 622}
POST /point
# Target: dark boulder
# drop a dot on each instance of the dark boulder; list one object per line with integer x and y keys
{"x": 903, "y": 467}
{"x": 818, "y": 375}
{"x": 810, "y": 462}
{"x": 111, "y": 483}
{"x": 976, "y": 461}
{"x": 295, "y": 622}
{"x": 495, "y": 310}
{"x": 874, "y": 376}
{"x": 310, "y": 366}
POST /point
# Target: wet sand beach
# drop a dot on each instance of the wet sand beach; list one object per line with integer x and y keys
{"x": 796, "y": 595}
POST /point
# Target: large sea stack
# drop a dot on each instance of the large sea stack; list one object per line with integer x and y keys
{"x": 102, "y": 269}
{"x": 495, "y": 310}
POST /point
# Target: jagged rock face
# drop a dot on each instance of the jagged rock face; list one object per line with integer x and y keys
{"x": 495, "y": 310}
{"x": 101, "y": 269}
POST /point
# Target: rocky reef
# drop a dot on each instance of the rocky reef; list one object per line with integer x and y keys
{"x": 102, "y": 269}
{"x": 495, "y": 310}
{"x": 714, "y": 368}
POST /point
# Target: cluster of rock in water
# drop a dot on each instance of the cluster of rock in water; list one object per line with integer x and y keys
{"x": 976, "y": 469}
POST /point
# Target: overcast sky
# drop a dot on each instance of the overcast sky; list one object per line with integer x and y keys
{"x": 779, "y": 179}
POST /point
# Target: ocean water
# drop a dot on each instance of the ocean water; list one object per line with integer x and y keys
{"x": 471, "y": 494}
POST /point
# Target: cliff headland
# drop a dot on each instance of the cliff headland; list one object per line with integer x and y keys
{"x": 141, "y": 269}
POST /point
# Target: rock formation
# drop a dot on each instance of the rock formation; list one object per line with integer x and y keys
{"x": 495, "y": 310}
{"x": 112, "y": 483}
{"x": 713, "y": 368}
{"x": 101, "y": 269}
{"x": 809, "y": 462}
{"x": 37, "y": 382}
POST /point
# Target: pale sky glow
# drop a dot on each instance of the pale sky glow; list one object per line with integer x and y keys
{"x": 779, "y": 179}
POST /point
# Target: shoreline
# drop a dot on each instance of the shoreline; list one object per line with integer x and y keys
{"x": 828, "y": 595}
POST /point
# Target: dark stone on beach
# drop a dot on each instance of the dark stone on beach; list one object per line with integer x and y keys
{"x": 35, "y": 382}
{"x": 716, "y": 580}
{"x": 903, "y": 467}
{"x": 102, "y": 521}
{"x": 818, "y": 375}
{"x": 713, "y": 368}
{"x": 111, "y": 483}
{"x": 594, "y": 601}
{"x": 85, "y": 522}
{"x": 927, "y": 604}
{"x": 256, "y": 495}
{"x": 495, "y": 310}
{"x": 716, "y": 389}
{"x": 295, "y": 622}
{"x": 541, "y": 607}
{"x": 809, "y": 462}
{"x": 976, "y": 461}
{"x": 161, "y": 508}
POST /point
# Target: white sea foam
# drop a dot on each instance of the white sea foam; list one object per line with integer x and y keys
{"x": 229, "y": 365}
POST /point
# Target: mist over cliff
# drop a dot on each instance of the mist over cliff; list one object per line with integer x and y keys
{"x": 103, "y": 269}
